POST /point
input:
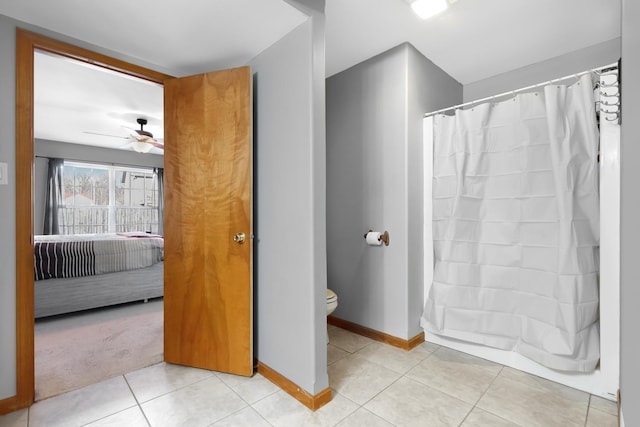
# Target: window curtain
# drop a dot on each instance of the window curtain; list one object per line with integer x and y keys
{"x": 160, "y": 175}
{"x": 516, "y": 227}
{"x": 54, "y": 199}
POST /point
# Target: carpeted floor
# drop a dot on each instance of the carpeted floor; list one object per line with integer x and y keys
{"x": 73, "y": 351}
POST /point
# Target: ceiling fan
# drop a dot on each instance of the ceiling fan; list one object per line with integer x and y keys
{"x": 141, "y": 141}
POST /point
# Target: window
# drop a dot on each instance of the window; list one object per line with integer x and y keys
{"x": 108, "y": 199}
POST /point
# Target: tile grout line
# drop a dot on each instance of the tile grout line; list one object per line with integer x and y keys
{"x": 350, "y": 413}
{"x": 136, "y": 399}
{"x": 586, "y": 418}
{"x": 213, "y": 374}
{"x": 249, "y": 405}
{"x": 475, "y": 405}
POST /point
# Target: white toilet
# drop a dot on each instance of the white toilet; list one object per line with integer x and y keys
{"x": 332, "y": 301}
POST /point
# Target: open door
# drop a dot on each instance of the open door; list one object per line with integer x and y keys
{"x": 208, "y": 291}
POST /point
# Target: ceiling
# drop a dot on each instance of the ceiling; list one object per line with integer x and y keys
{"x": 472, "y": 40}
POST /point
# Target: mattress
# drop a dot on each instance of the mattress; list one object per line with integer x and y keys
{"x": 64, "y": 256}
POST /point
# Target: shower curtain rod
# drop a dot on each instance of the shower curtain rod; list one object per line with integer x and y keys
{"x": 605, "y": 68}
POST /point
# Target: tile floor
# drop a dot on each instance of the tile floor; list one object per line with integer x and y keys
{"x": 374, "y": 385}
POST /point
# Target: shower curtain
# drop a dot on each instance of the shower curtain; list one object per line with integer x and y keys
{"x": 516, "y": 227}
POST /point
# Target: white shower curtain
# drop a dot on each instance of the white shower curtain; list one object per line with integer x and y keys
{"x": 516, "y": 227}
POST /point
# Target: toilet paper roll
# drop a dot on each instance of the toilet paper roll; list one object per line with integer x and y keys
{"x": 373, "y": 238}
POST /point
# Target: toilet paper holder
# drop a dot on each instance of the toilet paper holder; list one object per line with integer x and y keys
{"x": 384, "y": 237}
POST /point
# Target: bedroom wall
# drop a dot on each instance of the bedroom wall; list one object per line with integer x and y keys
{"x": 76, "y": 152}
{"x": 630, "y": 212}
{"x": 7, "y": 192}
{"x": 7, "y": 211}
{"x": 290, "y": 244}
{"x": 604, "y": 53}
{"x": 374, "y": 180}
{"x": 299, "y": 129}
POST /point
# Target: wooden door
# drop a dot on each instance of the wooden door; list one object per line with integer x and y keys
{"x": 208, "y": 209}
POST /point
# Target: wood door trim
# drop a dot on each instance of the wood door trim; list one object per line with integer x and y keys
{"x": 26, "y": 44}
{"x": 377, "y": 335}
{"x": 309, "y": 400}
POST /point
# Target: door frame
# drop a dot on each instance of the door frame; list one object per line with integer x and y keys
{"x": 27, "y": 43}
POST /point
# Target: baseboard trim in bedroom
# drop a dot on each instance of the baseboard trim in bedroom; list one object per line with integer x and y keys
{"x": 309, "y": 400}
{"x": 377, "y": 335}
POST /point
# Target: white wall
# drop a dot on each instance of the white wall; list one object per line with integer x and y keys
{"x": 290, "y": 245}
{"x": 581, "y": 60}
{"x": 630, "y": 213}
{"x": 374, "y": 180}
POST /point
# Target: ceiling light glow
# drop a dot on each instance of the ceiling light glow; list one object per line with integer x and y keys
{"x": 428, "y": 8}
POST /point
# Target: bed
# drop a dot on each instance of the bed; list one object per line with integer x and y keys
{"x": 80, "y": 272}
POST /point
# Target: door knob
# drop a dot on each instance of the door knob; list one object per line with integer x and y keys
{"x": 239, "y": 238}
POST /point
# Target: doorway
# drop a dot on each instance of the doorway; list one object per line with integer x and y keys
{"x": 208, "y": 228}
{"x": 92, "y": 327}
{"x": 27, "y": 44}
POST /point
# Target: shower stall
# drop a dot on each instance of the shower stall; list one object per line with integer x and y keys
{"x": 522, "y": 208}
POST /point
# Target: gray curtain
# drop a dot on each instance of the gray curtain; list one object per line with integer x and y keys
{"x": 53, "y": 202}
{"x": 160, "y": 174}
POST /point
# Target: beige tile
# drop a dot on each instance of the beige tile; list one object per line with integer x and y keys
{"x": 359, "y": 379}
{"x": 199, "y": 404}
{"x": 528, "y": 400}
{"x": 393, "y": 358}
{"x": 132, "y": 417}
{"x": 247, "y": 417}
{"x": 15, "y": 419}
{"x": 156, "y": 380}
{"x": 282, "y": 410}
{"x": 334, "y": 354}
{"x": 410, "y": 403}
{"x": 599, "y": 418}
{"x": 604, "y": 405}
{"x": 480, "y": 418}
{"x": 428, "y": 346}
{"x": 544, "y": 384}
{"x": 82, "y": 406}
{"x": 251, "y": 389}
{"x": 458, "y": 374}
{"x": 364, "y": 418}
{"x": 346, "y": 340}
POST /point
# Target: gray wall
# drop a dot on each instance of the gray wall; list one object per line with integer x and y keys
{"x": 7, "y": 210}
{"x": 584, "y": 59}
{"x": 7, "y": 193}
{"x": 374, "y": 180}
{"x": 76, "y": 152}
{"x": 290, "y": 204}
{"x": 630, "y": 212}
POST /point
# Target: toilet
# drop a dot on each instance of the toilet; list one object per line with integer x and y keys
{"x": 332, "y": 301}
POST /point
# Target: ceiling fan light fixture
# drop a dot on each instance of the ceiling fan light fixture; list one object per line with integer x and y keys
{"x": 427, "y": 8}
{"x": 142, "y": 146}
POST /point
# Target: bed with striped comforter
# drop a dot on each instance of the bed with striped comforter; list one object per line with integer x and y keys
{"x": 65, "y": 256}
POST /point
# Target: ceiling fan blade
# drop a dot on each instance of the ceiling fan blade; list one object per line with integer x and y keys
{"x": 148, "y": 140}
{"x": 106, "y": 134}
